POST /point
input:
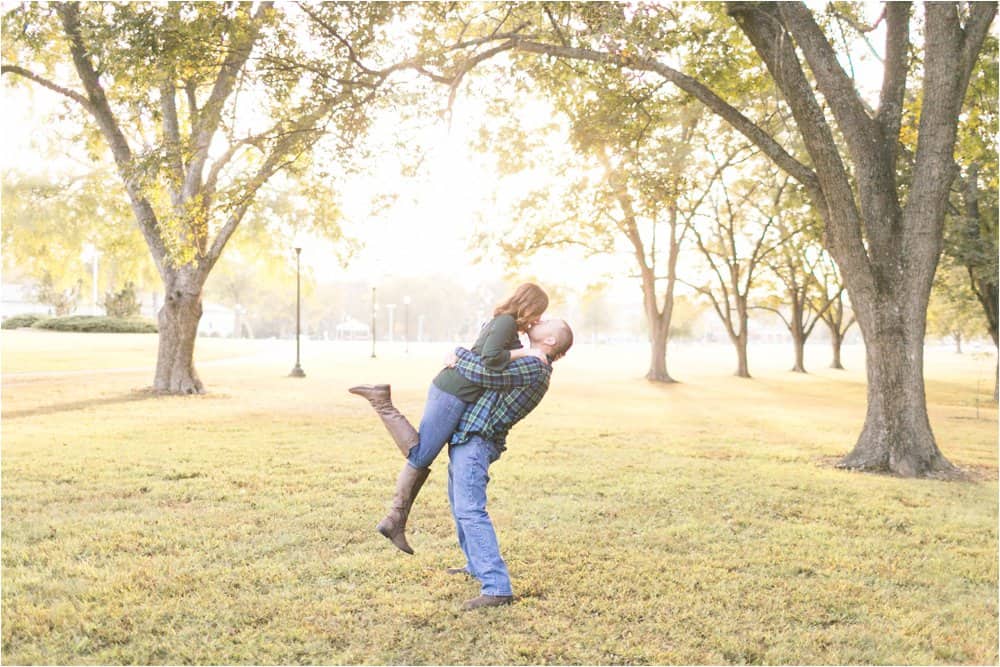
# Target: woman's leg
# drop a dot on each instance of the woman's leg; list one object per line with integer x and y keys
{"x": 442, "y": 413}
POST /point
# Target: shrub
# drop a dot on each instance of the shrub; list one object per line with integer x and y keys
{"x": 63, "y": 301}
{"x": 123, "y": 303}
{"x": 96, "y": 324}
{"x": 25, "y": 320}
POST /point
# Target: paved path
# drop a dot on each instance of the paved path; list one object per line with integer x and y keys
{"x": 37, "y": 375}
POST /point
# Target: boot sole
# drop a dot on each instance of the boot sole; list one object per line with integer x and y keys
{"x": 387, "y": 535}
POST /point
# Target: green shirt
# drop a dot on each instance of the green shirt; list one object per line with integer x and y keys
{"x": 494, "y": 344}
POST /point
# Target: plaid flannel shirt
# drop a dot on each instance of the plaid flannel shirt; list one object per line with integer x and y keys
{"x": 510, "y": 395}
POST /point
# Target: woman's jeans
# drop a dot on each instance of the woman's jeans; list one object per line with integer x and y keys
{"x": 441, "y": 415}
{"x": 468, "y": 475}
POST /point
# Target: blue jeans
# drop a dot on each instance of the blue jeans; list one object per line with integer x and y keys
{"x": 468, "y": 475}
{"x": 441, "y": 415}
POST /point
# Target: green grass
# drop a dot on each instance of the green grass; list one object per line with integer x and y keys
{"x": 692, "y": 523}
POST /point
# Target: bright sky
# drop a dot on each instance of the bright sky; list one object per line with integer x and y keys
{"x": 429, "y": 227}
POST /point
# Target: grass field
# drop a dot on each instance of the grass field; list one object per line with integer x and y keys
{"x": 695, "y": 523}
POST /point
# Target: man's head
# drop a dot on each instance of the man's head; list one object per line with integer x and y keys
{"x": 554, "y": 337}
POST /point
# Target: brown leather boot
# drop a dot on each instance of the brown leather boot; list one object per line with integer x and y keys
{"x": 408, "y": 486}
{"x": 399, "y": 427}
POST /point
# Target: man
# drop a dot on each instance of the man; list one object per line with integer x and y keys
{"x": 479, "y": 440}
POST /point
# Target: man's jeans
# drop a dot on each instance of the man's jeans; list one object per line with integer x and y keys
{"x": 441, "y": 415}
{"x": 467, "y": 479}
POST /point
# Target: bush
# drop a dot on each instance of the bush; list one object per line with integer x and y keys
{"x": 18, "y": 321}
{"x": 96, "y": 324}
{"x": 123, "y": 303}
{"x": 63, "y": 301}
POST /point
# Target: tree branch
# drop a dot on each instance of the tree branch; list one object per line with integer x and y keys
{"x": 832, "y": 81}
{"x": 696, "y": 89}
{"x": 69, "y": 14}
{"x": 833, "y": 196}
{"x": 172, "y": 140}
{"x": 51, "y": 85}
{"x": 897, "y": 54}
{"x": 211, "y": 113}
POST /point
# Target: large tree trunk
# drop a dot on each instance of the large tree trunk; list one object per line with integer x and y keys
{"x": 658, "y": 348}
{"x": 897, "y": 434}
{"x": 178, "y": 324}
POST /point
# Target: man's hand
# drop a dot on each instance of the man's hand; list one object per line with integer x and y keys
{"x": 450, "y": 359}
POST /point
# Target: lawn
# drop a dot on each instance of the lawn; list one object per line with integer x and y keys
{"x": 694, "y": 523}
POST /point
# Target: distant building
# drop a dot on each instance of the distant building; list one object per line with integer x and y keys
{"x": 19, "y": 299}
{"x": 217, "y": 320}
{"x": 352, "y": 329}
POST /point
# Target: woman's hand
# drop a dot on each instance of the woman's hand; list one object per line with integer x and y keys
{"x": 450, "y": 359}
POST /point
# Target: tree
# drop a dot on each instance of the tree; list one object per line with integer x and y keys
{"x": 954, "y": 312}
{"x": 795, "y": 265}
{"x": 971, "y": 228}
{"x": 631, "y": 183}
{"x": 166, "y": 88}
{"x": 830, "y": 304}
{"x": 734, "y": 241}
{"x": 883, "y": 224}
{"x": 48, "y": 221}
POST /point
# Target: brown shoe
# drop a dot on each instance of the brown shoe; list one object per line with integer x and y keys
{"x": 399, "y": 427}
{"x": 487, "y": 601}
{"x": 393, "y": 526}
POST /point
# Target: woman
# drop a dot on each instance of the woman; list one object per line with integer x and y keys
{"x": 450, "y": 393}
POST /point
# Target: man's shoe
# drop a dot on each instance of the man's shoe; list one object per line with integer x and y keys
{"x": 458, "y": 570}
{"x": 399, "y": 427}
{"x": 487, "y": 601}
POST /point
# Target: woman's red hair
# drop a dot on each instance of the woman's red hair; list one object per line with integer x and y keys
{"x": 526, "y": 305}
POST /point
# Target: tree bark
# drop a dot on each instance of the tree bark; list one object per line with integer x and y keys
{"x": 836, "y": 341}
{"x": 742, "y": 357}
{"x": 798, "y": 334}
{"x": 178, "y": 324}
{"x": 897, "y": 436}
{"x": 800, "y": 354}
{"x": 658, "y": 346}
{"x": 741, "y": 338}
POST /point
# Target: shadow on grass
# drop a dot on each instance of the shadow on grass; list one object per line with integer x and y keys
{"x": 130, "y": 397}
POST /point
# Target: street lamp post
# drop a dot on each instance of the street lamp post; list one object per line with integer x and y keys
{"x": 297, "y": 372}
{"x": 391, "y": 307}
{"x": 373, "y": 321}
{"x": 406, "y": 318}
